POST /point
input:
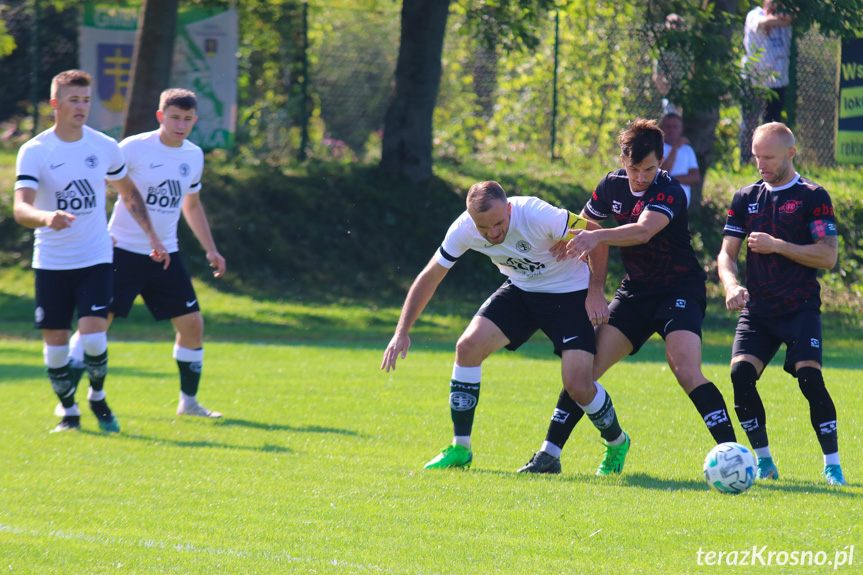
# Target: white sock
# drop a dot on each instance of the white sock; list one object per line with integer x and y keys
{"x": 762, "y": 452}
{"x": 76, "y": 349}
{"x": 94, "y": 343}
{"x": 190, "y": 355}
{"x": 61, "y": 411}
{"x": 597, "y": 402}
{"x": 551, "y": 449}
{"x": 94, "y": 395}
{"x": 831, "y": 458}
{"x": 463, "y": 440}
{"x": 55, "y": 355}
{"x": 187, "y": 399}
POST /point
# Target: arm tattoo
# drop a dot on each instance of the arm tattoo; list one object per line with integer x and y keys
{"x": 134, "y": 202}
{"x": 832, "y": 241}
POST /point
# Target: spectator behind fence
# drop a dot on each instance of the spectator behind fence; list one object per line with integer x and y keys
{"x": 678, "y": 157}
{"x": 669, "y": 69}
{"x": 767, "y": 41}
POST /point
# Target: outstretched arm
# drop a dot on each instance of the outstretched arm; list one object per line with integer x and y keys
{"x": 736, "y": 295}
{"x": 193, "y": 211}
{"x": 648, "y": 225}
{"x": 134, "y": 202}
{"x": 419, "y": 295}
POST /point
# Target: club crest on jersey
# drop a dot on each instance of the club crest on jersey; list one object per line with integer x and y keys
{"x": 790, "y": 206}
{"x": 616, "y": 206}
{"x": 185, "y": 169}
{"x": 638, "y": 208}
{"x": 91, "y": 161}
{"x": 753, "y": 208}
{"x": 523, "y": 246}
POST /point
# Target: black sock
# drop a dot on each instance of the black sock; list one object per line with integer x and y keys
{"x": 463, "y": 398}
{"x": 566, "y": 415}
{"x": 190, "y": 376}
{"x": 605, "y": 420}
{"x": 97, "y": 369}
{"x": 62, "y": 384}
{"x": 748, "y": 404}
{"x": 710, "y": 404}
{"x": 822, "y": 411}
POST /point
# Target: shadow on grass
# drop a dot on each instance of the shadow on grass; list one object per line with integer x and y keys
{"x": 266, "y": 448}
{"x": 281, "y": 427}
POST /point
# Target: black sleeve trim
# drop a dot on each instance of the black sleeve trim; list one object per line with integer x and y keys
{"x": 117, "y": 171}
{"x": 446, "y": 256}
{"x": 25, "y": 177}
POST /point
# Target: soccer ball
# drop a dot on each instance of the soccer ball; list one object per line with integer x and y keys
{"x": 730, "y": 468}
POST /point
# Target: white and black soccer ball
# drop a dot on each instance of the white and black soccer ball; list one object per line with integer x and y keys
{"x": 730, "y": 468}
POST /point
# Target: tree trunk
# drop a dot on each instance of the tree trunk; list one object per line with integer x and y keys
{"x": 151, "y": 65}
{"x": 407, "y": 140}
{"x": 701, "y": 121}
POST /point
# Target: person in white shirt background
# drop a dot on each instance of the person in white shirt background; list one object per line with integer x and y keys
{"x": 678, "y": 156}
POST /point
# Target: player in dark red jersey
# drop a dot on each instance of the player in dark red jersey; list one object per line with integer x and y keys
{"x": 663, "y": 291}
{"x": 790, "y": 233}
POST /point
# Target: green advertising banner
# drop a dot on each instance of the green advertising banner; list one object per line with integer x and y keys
{"x": 849, "y": 125}
{"x": 205, "y": 62}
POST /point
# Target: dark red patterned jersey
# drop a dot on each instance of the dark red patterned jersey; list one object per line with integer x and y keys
{"x": 798, "y": 213}
{"x": 667, "y": 259}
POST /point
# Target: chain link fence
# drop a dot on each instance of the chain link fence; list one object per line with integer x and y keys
{"x": 568, "y": 98}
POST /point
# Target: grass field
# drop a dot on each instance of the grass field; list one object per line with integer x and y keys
{"x": 316, "y": 467}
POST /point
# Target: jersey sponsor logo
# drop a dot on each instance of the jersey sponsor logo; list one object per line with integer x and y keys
{"x": 185, "y": 169}
{"x": 461, "y": 401}
{"x": 753, "y": 208}
{"x": 790, "y": 207}
{"x": 668, "y": 199}
{"x": 91, "y": 161}
{"x": 166, "y": 195}
{"x": 525, "y": 266}
{"x": 523, "y": 246}
{"x": 55, "y": 166}
{"x": 78, "y": 195}
{"x": 154, "y": 166}
{"x": 616, "y": 206}
{"x": 824, "y": 210}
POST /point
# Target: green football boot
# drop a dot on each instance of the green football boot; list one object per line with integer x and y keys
{"x": 105, "y": 417}
{"x": 615, "y": 455}
{"x": 451, "y": 456}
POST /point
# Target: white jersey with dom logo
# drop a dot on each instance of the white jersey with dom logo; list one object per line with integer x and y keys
{"x": 524, "y": 257}
{"x": 164, "y": 175}
{"x": 70, "y": 176}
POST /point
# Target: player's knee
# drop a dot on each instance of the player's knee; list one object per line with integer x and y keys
{"x": 811, "y": 381}
{"x": 468, "y": 350}
{"x": 743, "y": 377}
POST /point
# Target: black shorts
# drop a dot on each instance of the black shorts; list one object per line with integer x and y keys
{"x": 167, "y": 293}
{"x": 560, "y": 316}
{"x": 761, "y": 336}
{"x": 59, "y": 293}
{"x": 638, "y": 314}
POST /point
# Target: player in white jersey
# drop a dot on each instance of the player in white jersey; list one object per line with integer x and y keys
{"x": 60, "y": 192}
{"x": 540, "y": 293}
{"x": 167, "y": 168}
